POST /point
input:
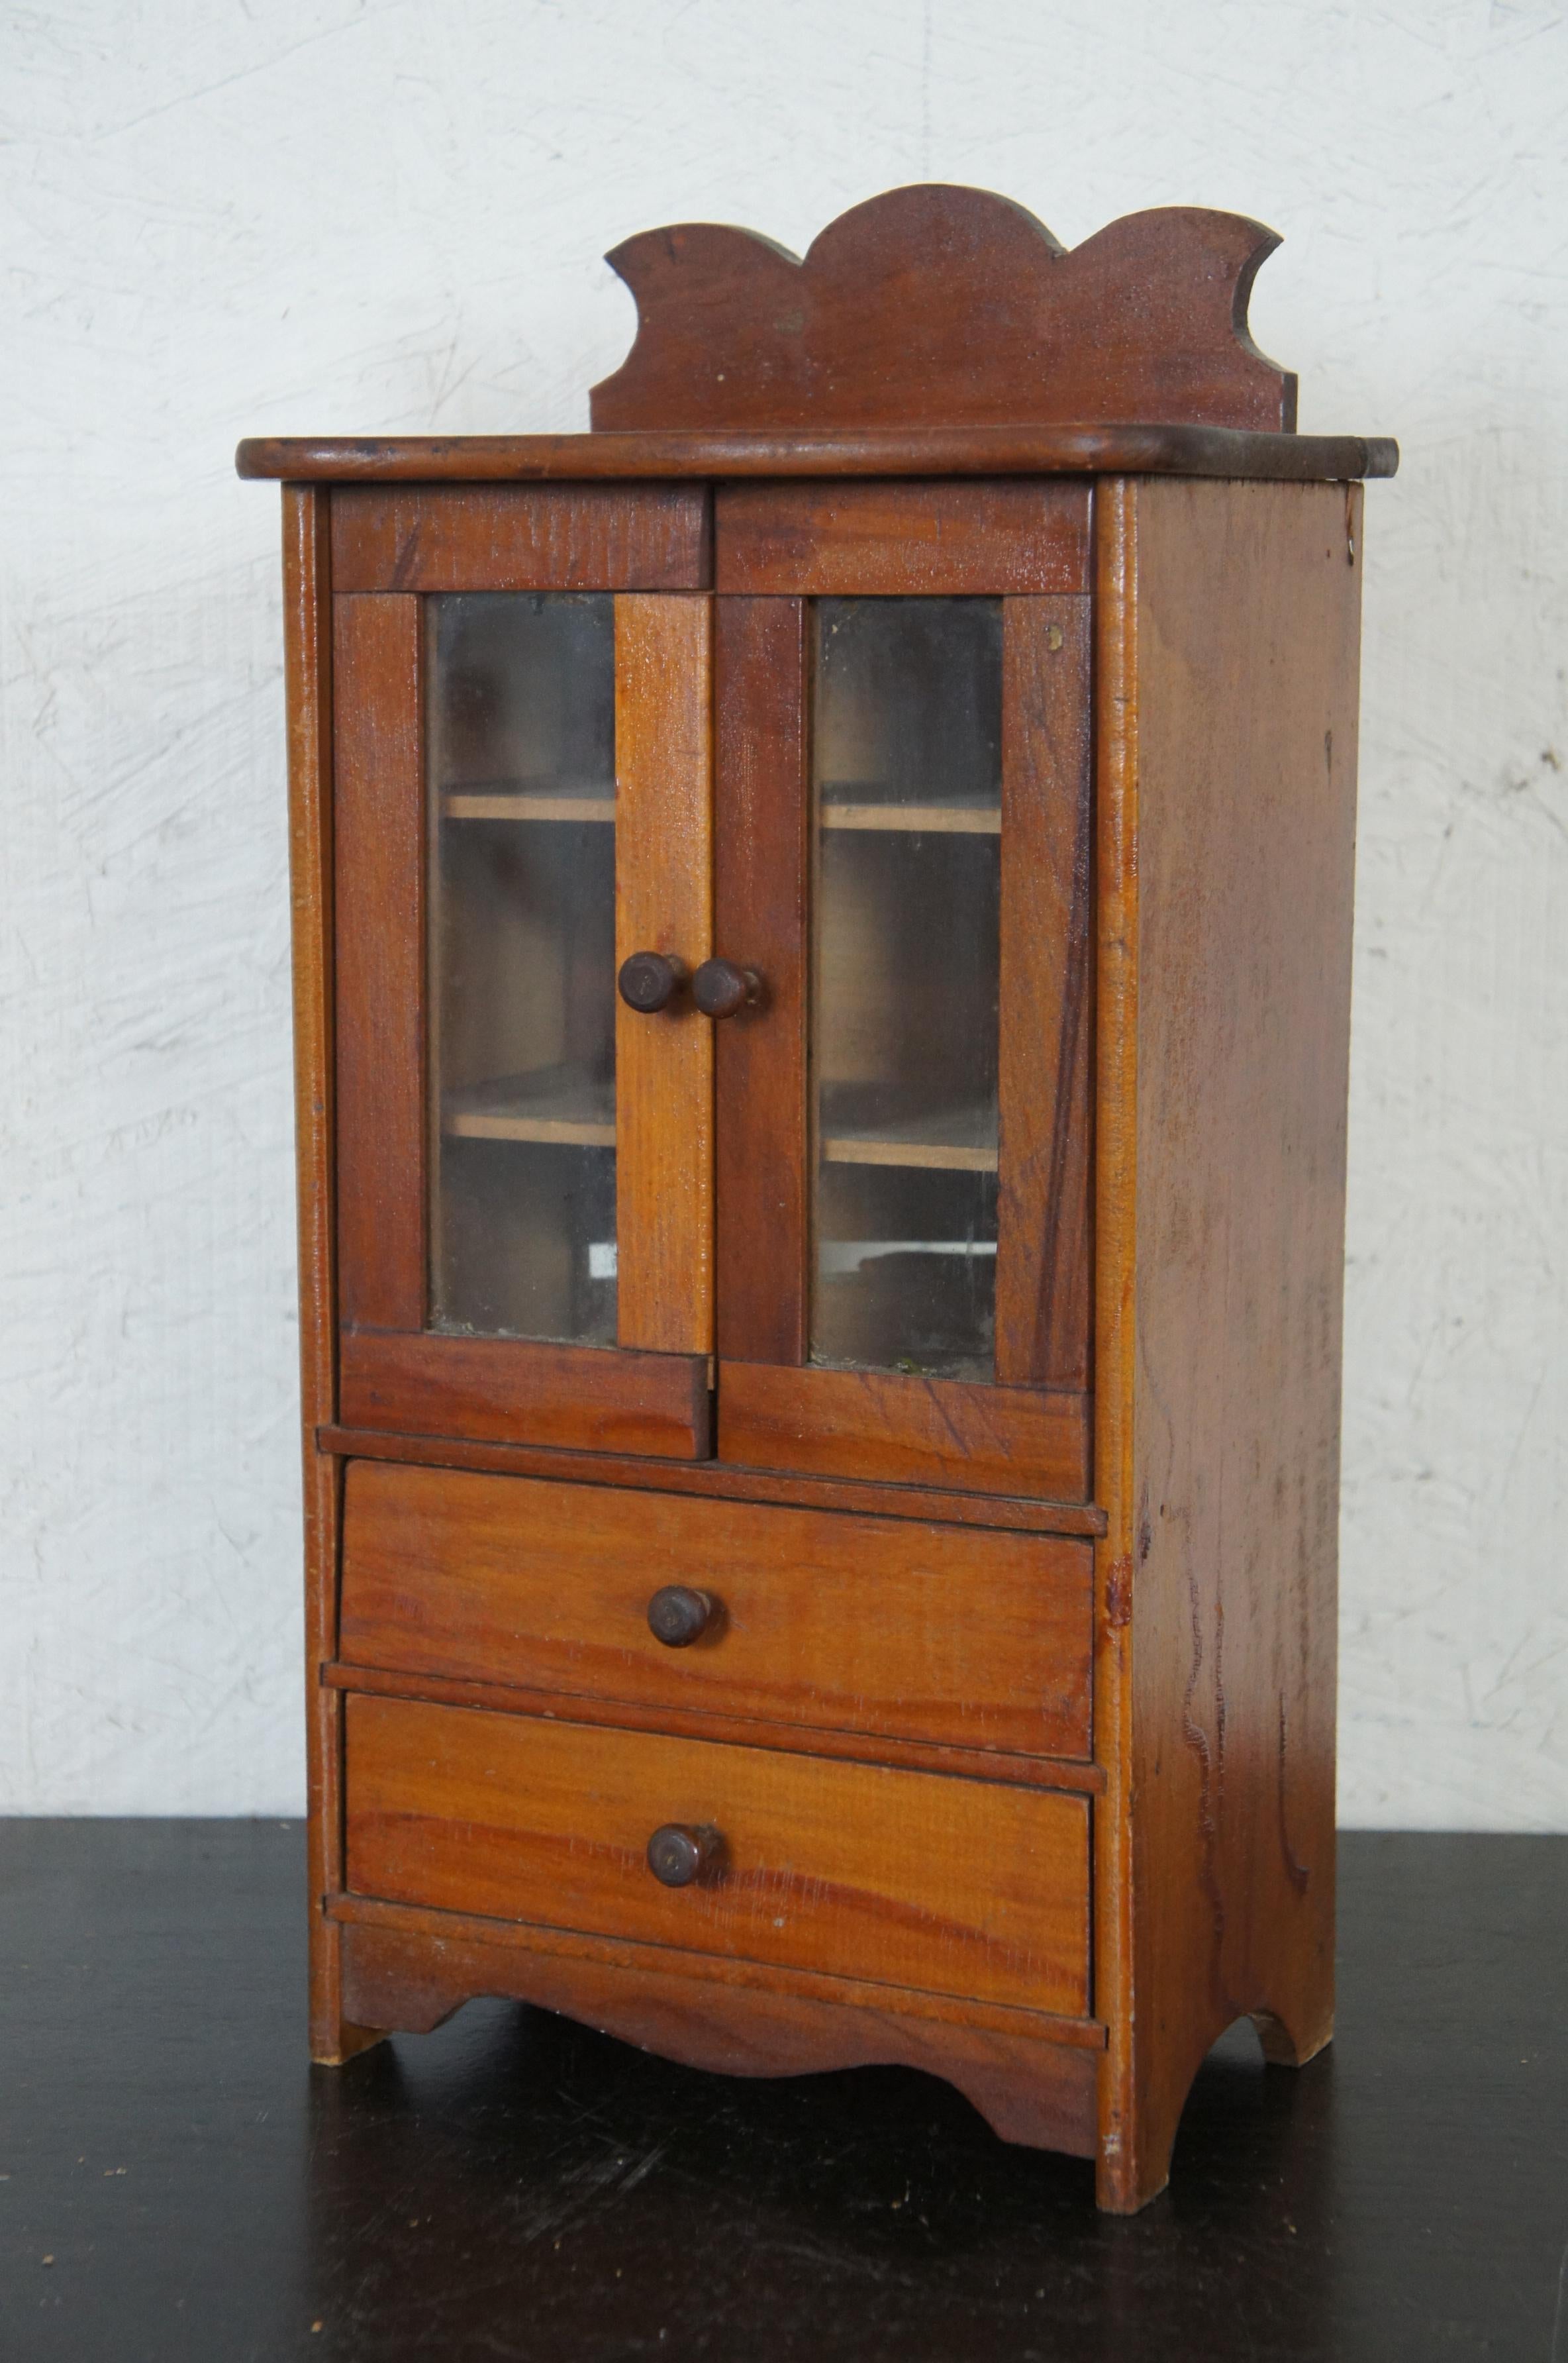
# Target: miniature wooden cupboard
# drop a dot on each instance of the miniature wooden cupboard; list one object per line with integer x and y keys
{"x": 823, "y": 916}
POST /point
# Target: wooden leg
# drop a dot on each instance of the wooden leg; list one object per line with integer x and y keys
{"x": 333, "y": 2040}
{"x": 1282, "y": 2048}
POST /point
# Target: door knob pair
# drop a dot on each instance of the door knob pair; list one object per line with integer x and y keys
{"x": 650, "y": 981}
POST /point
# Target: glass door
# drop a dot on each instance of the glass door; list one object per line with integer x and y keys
{"x": 520, "y": 1084}
{"x": 524, "y": 808}
{"x": 903, "y": 852}
{"x": 906, "y": 938}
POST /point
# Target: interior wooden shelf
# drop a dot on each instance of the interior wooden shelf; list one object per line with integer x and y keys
{"x": 925, "y": 820}
{"x": 949, "y": 1140}
{"x": 562, "y": 1105}
{"x": 568, "y": 800}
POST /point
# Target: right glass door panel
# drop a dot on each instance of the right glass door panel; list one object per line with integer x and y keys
{"x": 907, "y": 782}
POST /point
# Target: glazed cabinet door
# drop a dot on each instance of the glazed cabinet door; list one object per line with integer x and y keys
{"x": 904, "y": 856}
{"x": 522, "y": 802}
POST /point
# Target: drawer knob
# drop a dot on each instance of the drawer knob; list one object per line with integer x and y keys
{"x": 680, "y": 1853}
{"x": 678, "y": 1615}
{"x": 648, "y": 981}
{"x": 720, "y": 988}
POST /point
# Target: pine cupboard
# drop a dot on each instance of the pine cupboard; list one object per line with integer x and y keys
{"x": 821, "y": 924}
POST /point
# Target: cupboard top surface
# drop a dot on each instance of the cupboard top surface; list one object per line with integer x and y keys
{"x": 1064, "y": 450}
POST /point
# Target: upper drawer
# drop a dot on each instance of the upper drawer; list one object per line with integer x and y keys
{"x": 880, "y": 1625}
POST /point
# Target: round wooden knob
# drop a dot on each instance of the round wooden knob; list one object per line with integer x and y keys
{"x": 720, "y": 988}
{"x": 650, "y": 979}
{"x": 678, "y": 1854}
{"x": 678, "y": 1614}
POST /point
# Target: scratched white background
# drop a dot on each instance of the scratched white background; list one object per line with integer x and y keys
{"x": 333, "y": 215}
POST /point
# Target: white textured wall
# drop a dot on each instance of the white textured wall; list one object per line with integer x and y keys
{"x": 314, "y": 216}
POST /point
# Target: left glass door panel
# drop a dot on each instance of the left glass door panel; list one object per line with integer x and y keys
{"x": 520, "y": 982}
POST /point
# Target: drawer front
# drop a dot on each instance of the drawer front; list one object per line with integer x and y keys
{"x": 960, "y": 1887}
{"x": 880, "y": 1625}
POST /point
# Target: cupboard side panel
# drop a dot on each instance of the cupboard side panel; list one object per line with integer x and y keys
{"x": 379, "y": 968}
{"x": 1115, "y": 1177}
{"x": 761, "y": 885}
{"x": 1042, "y": 1213}
{"x": 307, "y": 672}
{"x": 1248, "y": 612}
{"x": 664, "y": 902}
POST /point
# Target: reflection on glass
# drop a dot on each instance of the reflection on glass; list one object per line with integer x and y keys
{"x": 522, "y": 976}
{"x": 908, "y": 769}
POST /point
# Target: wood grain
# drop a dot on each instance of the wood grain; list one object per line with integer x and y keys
{"x": 949, "y": 304}
{"x": 570, "y": 538}
{"x": 1043, "y": 1239}
{"x": 1078, "y": 450}
{"x": 664, "y": 887}
{"x": 713, "y": 1479}
{"x": 586, "y": 1398}
{"x": 1115, "y": 1329}
{"x": 307, "y": 681}
{"x": 861, "y": 1624}
{"x": 951, "y": 1886}
{"x": 378, "y": 808}
{"x": 907, "y": 540}
{"x": 1032, "y": 2088}
{"x": 1247, "y": 618}
{"x": 905, "y": 1430}
{"x": 761, "y": 866}
{"x": 1071, "y": 1772}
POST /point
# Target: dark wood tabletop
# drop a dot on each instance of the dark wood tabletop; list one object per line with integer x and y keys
{"x": 179, "y": 2183}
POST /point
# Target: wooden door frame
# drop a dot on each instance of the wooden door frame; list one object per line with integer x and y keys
{"x": 777, "y": 548}
{"x": 652, "y": 1395}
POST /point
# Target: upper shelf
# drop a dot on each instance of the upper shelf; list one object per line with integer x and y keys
{"x": 919, "y": 820}
{"x": 494, "y": 801}
{"x": 934, "y": 331}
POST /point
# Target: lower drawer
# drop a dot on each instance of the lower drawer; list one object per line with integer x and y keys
{"x": 914, "y": 1878}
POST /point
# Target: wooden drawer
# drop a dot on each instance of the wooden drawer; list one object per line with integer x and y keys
{"x": 965, "y": 1637}
{"x": 960, "y": 1887}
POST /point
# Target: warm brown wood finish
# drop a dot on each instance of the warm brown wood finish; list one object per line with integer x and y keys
{"x": 851, "y": 1869}
{"x": 664, "y": 1059}
{"x": 862, "y": 1625}
{"x": 1081, "y": 2034}
{"x": 1045, "y": 1162}
{"x": 903, "y": 540}
{"x": 582, "y": 538}
{"x": 307, "y": 662}
{"x": 378, "y": 805}
{"x": 761, "y": 867}
{"x": 1115, "y": 1343}
{"x": 1028, "y": 2090}
{"x": 1071, "y": 1772}
{"x": 910, "y": 1430}
{"x": 1244, "y": 833}
{"x": 717, "y": 1480}
{"x": 710, "y": 2015}
{"x": 950, "y": 304}
{"x": 587, "y": 1398}
{"x": 984, "y": 1727}
{"x": 1071, "y": 450}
